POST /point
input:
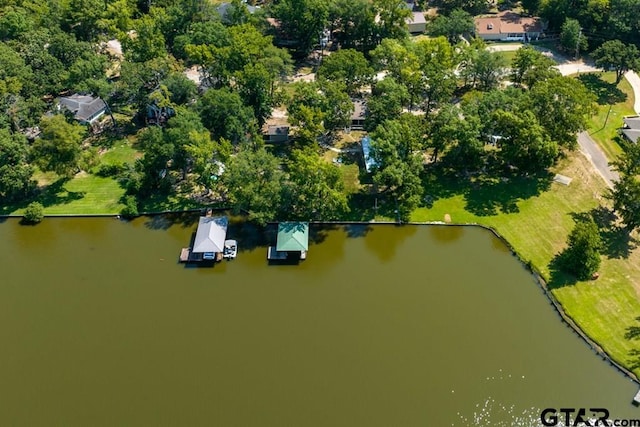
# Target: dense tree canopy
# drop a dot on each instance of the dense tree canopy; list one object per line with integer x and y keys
{"x": 616, "y": 55}
{"x": 15, "y": 171}
{"x": 59, "y": 147}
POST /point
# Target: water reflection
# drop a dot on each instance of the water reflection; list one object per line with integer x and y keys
{"x": 385, "y": 239}
{"x": 446, "y": 233}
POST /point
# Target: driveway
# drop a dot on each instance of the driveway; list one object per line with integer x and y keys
{"x": 591, "y": 151}
{"x": 634, "y": 81}
{"x": 566, "y": 66}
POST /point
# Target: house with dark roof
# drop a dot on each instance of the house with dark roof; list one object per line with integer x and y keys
{"x": 277, "y": 133}
{"x": 508, "y": 26}
{"x": 631, "y": 128}
{"x": 359, "y": 114}
{"x": 85, "y": 108}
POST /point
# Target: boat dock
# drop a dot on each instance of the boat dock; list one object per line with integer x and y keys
{"x": 275, "y": 255}
{"x": 187, "y": 256}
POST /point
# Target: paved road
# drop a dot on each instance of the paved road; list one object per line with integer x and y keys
{"x": 597, "y": 157}
{"x": 634, "y": 80}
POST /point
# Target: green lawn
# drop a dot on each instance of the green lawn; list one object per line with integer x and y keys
{"x": 82, "y": 195}
{"x": 614, "y": 101}
{"x": 535, "y": 216}
{"x": 507, "y": 55}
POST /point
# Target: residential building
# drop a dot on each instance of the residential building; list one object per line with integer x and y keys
{"x": 86, "y": 109}
{"x": 631, "y": 128}
{"x": 508, "y": 26}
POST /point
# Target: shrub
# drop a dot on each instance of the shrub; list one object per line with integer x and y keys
{"x": 34, "y": 213}
{"x": 130, "y": 209}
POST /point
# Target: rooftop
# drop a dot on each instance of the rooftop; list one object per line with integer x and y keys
{"x": 211, "y": 234}
{"x": 508, "y": 22}
{"x": 85, "y": 108}
{"x": 359, "y": 109}
{"x": 292, "y": 236}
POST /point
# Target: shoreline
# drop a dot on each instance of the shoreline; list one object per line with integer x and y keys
{"x": 531, "y": 268}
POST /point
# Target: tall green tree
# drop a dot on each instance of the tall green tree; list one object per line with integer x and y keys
{"x": 562, "y": 106}
{"x": 154, "y": 164}
{"x": 59, "y": 147}
{"x": 453, "y": 26}
{"x": 436, "y": 76}
{"x": 582, "y": 257}
{"x": 316, "y": 187}
{"x": 481, "y": 68}
{"x": 394, "y": 147}
{"x": 224, "y": 113}
{"x": 254, "y": 181}
{"x": 616, "y": 55}
{"x": 302, "y": 21}
{"x": 524, "y": 143}
{"x": 386, "y": 102}
{"x": 392, "y": 16}
{"x": 571, "y": 38}
{"x": 354, "y": 24}
{"x": 626, "y": 191}
{"x": 348, "y": 66}
{"x": 530, "y": 66}
{"x": 15, "y": 171}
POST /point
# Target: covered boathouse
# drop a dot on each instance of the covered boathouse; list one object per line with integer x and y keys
{"x": 208, "y": 244}
{"x": 292, "y": 242}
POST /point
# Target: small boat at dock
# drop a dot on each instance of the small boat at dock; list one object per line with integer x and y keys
{"x": 230, "y": 249}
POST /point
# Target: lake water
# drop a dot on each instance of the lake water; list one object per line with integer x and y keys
{"x": 380, "y": 326}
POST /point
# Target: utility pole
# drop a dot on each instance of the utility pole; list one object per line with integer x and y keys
{"x": 578, "y": 42}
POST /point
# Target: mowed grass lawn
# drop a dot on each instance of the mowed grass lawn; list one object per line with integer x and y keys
{"x": 536, "y": 217}
{"x": 85, "y": 193}
{"x": 620, "y": 97}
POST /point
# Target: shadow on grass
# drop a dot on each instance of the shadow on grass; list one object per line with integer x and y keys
{"x": 50, "y": 195}
{"x": 486, "y": 195}
{"x": 606, "y": 93}
{"x": 617, "y": 242}
{"x": 559, "y": 278}
{"x": 56, "y": 194}
{"x": 633, "y": 333}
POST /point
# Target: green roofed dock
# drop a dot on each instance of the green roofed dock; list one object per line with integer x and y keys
{"x": 292, "y": 242}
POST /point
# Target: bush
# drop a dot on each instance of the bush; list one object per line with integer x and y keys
{"x": 111, "y": 169}
{"x": 34, "y": 213}
{"x": 130, "y": 209}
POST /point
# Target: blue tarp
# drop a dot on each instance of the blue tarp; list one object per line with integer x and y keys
{"x": 369, "y": 161}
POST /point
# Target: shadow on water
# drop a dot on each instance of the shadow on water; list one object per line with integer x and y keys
{"x": 446, "y": 233}
{"x": 357, "y": 230}
{"x": 166, "y": 221}
{"x": 385, "y": 239}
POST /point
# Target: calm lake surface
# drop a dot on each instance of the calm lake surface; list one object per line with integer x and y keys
{"x": 380, "y": 326}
